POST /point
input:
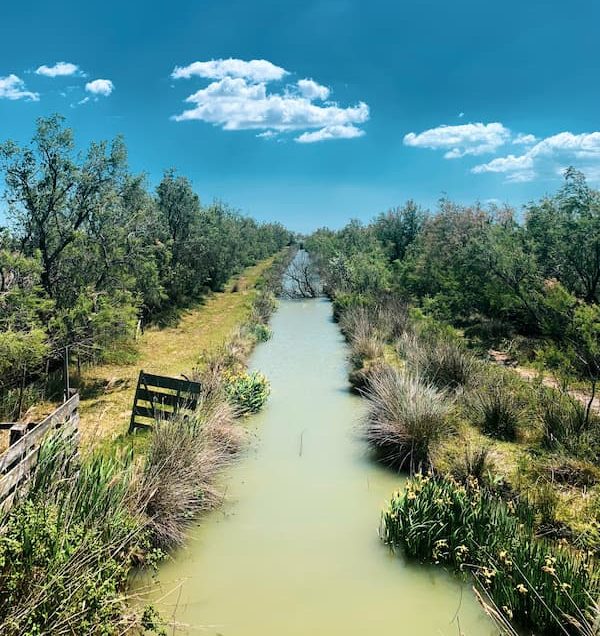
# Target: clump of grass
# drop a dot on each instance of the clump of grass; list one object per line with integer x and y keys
{"x": 496, "y": 410}
{"x": 533, "y": 582}
{"x": 442, "y": 361}
{"x": 406, "y": 417}
{"x": 67, "y": 545}
{"x": 566, "y": 427}
{"x": 177, "y": 479}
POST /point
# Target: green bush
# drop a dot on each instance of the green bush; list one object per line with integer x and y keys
{"x": 248, "y": 392}
{"x": 532, "y": 582}
{"x": 261, "y": 332}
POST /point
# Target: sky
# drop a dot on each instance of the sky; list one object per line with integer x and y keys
{"x": 315, "y": 112}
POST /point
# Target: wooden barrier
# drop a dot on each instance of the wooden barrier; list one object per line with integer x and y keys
{"x": 17, "y": 462}
{"x": 160, "y": 397}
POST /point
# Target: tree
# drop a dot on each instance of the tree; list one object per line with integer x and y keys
{"x": 566, "y": 233}
{"x": 53, "y": 194}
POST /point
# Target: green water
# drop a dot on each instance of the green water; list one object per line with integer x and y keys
{"x": 294, "y": 551}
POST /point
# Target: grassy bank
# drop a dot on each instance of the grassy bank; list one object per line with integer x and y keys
{"x": 520, "y": 454}
{"x": 69, "y": 542}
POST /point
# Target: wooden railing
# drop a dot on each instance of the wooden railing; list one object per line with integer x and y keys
{"x": 18, "y": 461}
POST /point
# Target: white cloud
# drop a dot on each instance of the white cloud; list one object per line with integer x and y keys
{"x": 544, "y": 154}
{"x": 311, "y": 90}
{"x": 102, "y": 87}
{"x": 254, "y": 70}
{"x": 458, "y": 141}
{"x": 13, "y": 87}
{"x": 238, "y": 99}
{"x": 524, "y": 140}
{"x": 330, "y": 132}
{"x": 60, "y": 69}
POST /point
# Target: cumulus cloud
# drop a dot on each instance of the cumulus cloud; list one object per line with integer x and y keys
{"x": 458, "y": 141}
{"x": 254, "y": 70}
{"x": 330, "y": 132}
{"x": 101, "y": 87}
{"x": 60, "y": 69}
{"x": 238, "y": 99}
{"x": 13, "y": 87}
{"x": 524, "y": 140}
{"x": 311, "y": 90}
{"x": 564, "y": 146}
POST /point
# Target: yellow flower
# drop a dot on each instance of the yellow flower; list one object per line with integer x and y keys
{"x": 507, "y": 611}
{"x": 521, "y": 589}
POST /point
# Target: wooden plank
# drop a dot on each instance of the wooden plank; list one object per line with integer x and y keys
{"x": 176, "y": 384}
{"x": 156, "y": 413}
{"x": 54, "y": 420}
{"x": 16, "y": 433}
{"x": 168, "y": 399}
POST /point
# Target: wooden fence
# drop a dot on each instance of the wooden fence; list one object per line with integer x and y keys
{"x": 17, "y": 462}
{"x": 160, "y": 397}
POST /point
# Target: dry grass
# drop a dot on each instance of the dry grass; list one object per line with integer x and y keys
{"x": 406, "y": 417}
{"x": 185, "y": 455}
{"x": 168, "y": 351}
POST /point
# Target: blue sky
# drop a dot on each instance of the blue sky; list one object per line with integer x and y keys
{"x": 469, "y": 99}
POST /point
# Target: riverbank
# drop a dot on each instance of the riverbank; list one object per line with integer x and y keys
{"x": 295, "y": 548}
{"x": 69, "y": 542}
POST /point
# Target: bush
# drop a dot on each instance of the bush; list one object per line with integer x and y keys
{"x": 405, "y": 417}
{"x": 248, "y": 392}
{"x": 566, "y": 428}
{"x": 441, "y": 361}
{"x": 261, "y": 332}
{"x": 496, "y": 410}
{"x": 533, "y": 582}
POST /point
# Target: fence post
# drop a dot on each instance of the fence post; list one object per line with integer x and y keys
{"x": 66, "y": 387}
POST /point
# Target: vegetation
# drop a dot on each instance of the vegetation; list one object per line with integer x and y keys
{"x": 428, "y": 303}
{"x": 91, "y": 255}
{"x": 538, "y": 585}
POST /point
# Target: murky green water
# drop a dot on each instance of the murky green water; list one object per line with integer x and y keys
{"x": 295, "y": 552}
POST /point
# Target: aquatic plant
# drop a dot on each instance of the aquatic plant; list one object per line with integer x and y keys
{"x": 405, "y": 417}
{"x": 248, "y": 392}
{"x": 534, "y": 583}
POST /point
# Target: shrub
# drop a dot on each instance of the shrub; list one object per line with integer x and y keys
{"x": 261, "y": 332}
{"x": 441, "y": 361}
{"x": 565, "y": 426}
{"x": 247, "y": 391}
{"x": 263, "y": 306}
{"x": 496, "y": 411}
{"x": 533, "y": 582}
{"x": 405, "y": 417}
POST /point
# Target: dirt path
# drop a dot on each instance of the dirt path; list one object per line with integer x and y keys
{"x": 530, "y": 374}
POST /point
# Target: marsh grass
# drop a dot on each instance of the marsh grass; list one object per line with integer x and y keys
{"x": 406, "y": 417}
{"x": 566, "y": 427}
{"x": 441, "y": 361}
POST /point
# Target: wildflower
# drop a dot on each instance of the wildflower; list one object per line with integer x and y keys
{"x": 411, "y": 495}
{"x": 565, "y": 586}
{"x": 507, "y": 611}
{"x": 521, "y": 589}
{"x": 548, "y": 569}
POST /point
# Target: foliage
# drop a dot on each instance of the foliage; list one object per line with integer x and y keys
{"x": 534, "y": 583}
{"x": 248, "y": 392}
{"x": 91, "y": 251}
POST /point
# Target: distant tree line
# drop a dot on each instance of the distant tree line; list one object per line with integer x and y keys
{"x": 497, "y": 275}
{"x": 89, "y": 250}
